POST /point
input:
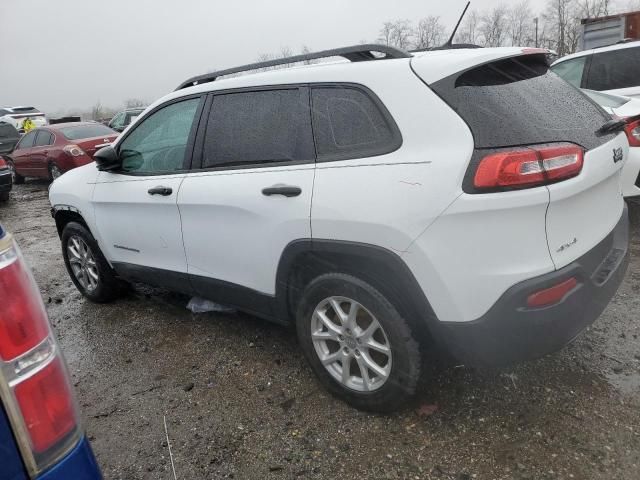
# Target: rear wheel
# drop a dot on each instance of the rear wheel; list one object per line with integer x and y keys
{"x": 17, "y": 179}
{"x": 4, "y": 196}
{"x": 54, "y": 172}
{"x": 357, "y": 343}
{"x": 89, "y": 270}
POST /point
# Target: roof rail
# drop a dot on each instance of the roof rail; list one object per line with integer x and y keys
{"x": 356, "y": 53}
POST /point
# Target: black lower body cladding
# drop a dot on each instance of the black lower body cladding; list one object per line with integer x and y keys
{"x": 511, "y": 332}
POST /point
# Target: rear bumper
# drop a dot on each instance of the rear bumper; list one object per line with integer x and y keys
{"x": 5, "y": 181}
{"x": 80, "y": 463}
{"x": 511, "y": 332}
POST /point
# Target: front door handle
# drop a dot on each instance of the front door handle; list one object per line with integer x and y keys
{"x": 285, "y": 190}
{"x": 164, "y": 191}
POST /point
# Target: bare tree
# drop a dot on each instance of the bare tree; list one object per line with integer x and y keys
{"x": 468, "y": 31}
{"x": 306, "y": 51}
{"x": 593, "y": 8}
{"x": 97, "y": 112}
{"x": 563, "y": 20}
{"x": 429, "y": 33}
{"x": 386, "y": 33}
{"x": 134, "y": 103}
{"x": 493, "y": 26}
{"x": 520, "y": 24}
{"x": 397, "y": 34}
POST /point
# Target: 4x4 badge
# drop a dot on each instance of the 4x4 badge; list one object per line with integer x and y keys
{"x": 618, "y": 155}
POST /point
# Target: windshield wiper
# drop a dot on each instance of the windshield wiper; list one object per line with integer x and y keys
{"x": 612, "y": 126}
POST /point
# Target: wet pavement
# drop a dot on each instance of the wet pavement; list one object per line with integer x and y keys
{"x": 240, "y": 402}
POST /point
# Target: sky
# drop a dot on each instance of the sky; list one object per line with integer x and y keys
{"x": 60, "y": 55}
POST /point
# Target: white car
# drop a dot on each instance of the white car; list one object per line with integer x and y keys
{"x": 625, "y": 107}
{"x": 374, "y": 204}
{"x": 17, "y": 115}
{"x": 613, "y": 69}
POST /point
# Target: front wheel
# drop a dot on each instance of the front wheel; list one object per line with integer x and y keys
{"x": 89, "y": 270}
{"x": 357, "y": 343}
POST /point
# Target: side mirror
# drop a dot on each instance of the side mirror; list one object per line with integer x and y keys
{"x": 107, "y": 159}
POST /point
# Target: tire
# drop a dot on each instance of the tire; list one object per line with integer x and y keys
{"x": 54, "y": 172}
{"x": 102, "y": 288}
{"x": 17, "y": 179}
{"x": 402, "y": 365}
{"x": 4, "y": 197}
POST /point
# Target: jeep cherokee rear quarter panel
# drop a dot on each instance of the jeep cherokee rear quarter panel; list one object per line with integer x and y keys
{"x": 388, "y": 200}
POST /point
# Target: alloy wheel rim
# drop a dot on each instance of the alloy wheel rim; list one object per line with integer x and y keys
{"x": 83, "y": 263}
{"x": 351, "y": 344}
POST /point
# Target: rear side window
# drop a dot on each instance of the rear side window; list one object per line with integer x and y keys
{"x": 43, "y": 139}
{"x": 571, "y": 70}
{"x": 349, "y": 123}
{"x": 614, "y": 69}
{"x": 27, "y": 140}
{"x": 518, "y": 101}
{"x": 261, "y": 127}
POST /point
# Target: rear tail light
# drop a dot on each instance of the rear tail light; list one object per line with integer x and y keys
{"x": 3, "y": 164}
{"x": 73, "y": 150}
{"x": 633, "y": 133}
{"x": 552, "y": 295}
{"x": 528, "y": 167}
{"x": 34, "y": 384}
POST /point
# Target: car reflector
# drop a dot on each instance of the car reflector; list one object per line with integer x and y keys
{"x": 553, "y": 295}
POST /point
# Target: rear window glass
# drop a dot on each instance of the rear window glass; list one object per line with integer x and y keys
{"x": 86, "y": 131}
{"x": 614, "y": 69}
{"x": 25, "y": 110}
{"x": 347, "y": 123}
{"x": 519, "y": 101}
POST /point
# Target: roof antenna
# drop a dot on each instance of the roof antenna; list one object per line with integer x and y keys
{"x": 455, "y": 30}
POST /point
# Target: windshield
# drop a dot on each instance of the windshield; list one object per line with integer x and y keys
{"x": 86, "y": 131}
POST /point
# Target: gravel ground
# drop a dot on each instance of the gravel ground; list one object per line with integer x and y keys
{"x": 240, "y": 402}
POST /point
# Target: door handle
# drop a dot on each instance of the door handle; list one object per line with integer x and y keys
{"x": 164, "y": 191}
{"x": 284, "y": 190}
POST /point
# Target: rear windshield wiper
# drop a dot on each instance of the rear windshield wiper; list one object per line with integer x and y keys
{"x": 616, "y": 125}
{"x": 612, "y": 126}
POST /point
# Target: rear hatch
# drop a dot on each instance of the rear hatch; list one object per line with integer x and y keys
{"x": 513, "y": 102}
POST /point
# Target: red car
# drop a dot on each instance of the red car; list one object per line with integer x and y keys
{"x": 48, "y": 152}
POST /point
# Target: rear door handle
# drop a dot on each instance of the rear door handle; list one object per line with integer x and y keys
{"x": 285, "y": 190}
{"x": 164, "y": 191}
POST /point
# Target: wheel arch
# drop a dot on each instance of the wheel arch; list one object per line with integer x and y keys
{"x": 304, "y": 260}
{"x": 64, "y": 215}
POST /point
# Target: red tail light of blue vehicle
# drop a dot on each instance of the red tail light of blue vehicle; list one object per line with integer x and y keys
{"x": 36, "y": 399}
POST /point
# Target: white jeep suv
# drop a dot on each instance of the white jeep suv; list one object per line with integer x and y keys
{"x": 469, "y": 197}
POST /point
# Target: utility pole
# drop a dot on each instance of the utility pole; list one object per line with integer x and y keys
{"x": 535, "y": 20}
